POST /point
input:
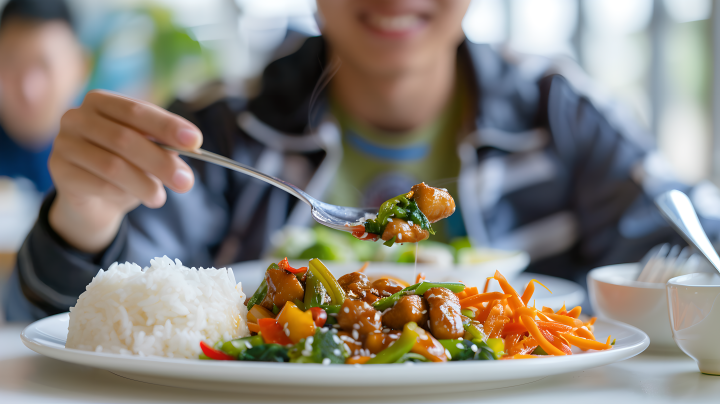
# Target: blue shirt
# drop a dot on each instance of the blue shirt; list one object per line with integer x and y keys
{"x": 16, "y": 161}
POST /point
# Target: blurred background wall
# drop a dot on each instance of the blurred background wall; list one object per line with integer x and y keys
{"x": 655, "y": 57}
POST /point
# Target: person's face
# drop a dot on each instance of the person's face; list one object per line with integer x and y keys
{"x": 42, "y": 67}
{"x": 392, "y": 36}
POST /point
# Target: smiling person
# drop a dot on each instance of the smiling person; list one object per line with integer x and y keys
{"x": 400, "y": 97}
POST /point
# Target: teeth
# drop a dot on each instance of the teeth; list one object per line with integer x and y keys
{"x": 395, "y": 23}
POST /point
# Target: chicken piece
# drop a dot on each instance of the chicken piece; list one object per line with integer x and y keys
{"x": 435, "y": 203}
{"x": 386, "y": 287}
{"x": 359, "y": 316}
{"x": 355, "y": 284}
{"x": 407, "y": 309}
{"x": 371, "y": 297}
{"x": 354, "y": 345}
{"x": 404, "y": 232}
{"x": 445, "y": 316}
{"x": 282, "y": 287}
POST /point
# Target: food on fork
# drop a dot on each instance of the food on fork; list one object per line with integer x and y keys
{"x": 407, "y": 218}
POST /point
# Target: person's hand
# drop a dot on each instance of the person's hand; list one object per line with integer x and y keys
{"x": 104, "y": 165}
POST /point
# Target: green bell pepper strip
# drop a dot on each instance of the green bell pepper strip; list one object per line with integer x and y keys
{"x": 468, "y": 313}
{"x": 331, "y": 308}
{"x": 336, "y": 292}
{"x": 237, "y": 346}
{"x": 474, "y": 328}
{"x": 314, "y": 291}
{"x": 416, "y": 289}
{"x": 403, "y": 345}
{"x": 261, "y": 291}
{"x": 300, "y": 304}
{"x": 451, "y": 347}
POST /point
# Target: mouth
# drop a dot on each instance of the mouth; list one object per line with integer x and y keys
{"x": 398, "y": 25}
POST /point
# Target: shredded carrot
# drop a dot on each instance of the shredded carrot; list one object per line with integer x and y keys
{"x": 357, "y": 360}
{"x": 364, "y": 267}
{"x": 513, "y": 329}
{"x": 575, "y": 313}
{"x": 533, "y": 329}
{"x": 557, "y": 342}
{"x": 520, "y": 356}
{"x": 487, "y": 284}
{"x": 514, "y": 299}
{"x": 553, "y": 326}
{"x": 583, "y": 332}
{"x": 420, "y": 277}
{"x": 486, "y": 311}
{"x": 481, "y": 298}
{"x": 572, "y": 322}
{"x": 584, "y": 343}
{"x": 530, "y": 289}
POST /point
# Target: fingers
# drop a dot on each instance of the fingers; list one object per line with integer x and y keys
{"x": 146, "y": 118}
{"x": 137, "y": 150}
{"x": 110, "y": 171}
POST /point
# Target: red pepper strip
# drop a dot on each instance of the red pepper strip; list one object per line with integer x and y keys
{"x": 213, "y": 353}
{"x": 533, "y": 329}
{"x": 481, "y": 298}
{"x": 530, "y": 289}
{"x": 513, "y": 328}
{"x": 360, "y": 233}
{"x": 514, "y": 299}
{"x": 272, "y": 332}
{"x": 319, "y": 316}
{"x": 557, "y": 342}
{"x": 284, "y": 264}
{"x": 553, "y": 326}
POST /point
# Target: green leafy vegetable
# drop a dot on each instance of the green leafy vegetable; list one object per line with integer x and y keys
{"x": 261, "y": 291}
{"x": 266, "y": 353}
{"x": 325, "y": 344}
{"x": 400, "y": 207}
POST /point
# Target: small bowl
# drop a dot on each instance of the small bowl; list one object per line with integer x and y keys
{"x": 615, "y": 294}
{"x": 694, "y": 304}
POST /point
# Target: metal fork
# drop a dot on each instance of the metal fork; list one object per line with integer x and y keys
{"x": 664, "y": 261}
{"x": 333, "y": 216}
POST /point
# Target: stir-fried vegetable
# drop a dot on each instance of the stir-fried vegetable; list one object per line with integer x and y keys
{"x": 401, "y": 207}
{"x": 354, "y": 320}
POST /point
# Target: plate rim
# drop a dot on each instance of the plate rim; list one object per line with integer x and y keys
{"x": 143, "y": 365}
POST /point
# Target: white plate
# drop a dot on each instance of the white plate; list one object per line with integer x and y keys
{"x": 48, "y": 336}
{"x": 250, "y": 273}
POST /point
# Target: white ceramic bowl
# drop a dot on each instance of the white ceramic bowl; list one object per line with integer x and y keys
{"x": 615, "y": 294}
{"x": 694, "y": 303}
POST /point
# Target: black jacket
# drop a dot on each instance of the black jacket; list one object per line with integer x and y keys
{"x": 544, "y": 171}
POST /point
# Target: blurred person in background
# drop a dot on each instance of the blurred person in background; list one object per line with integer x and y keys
{"x": 390, "y": 95}
{"x": 42, "y": 70}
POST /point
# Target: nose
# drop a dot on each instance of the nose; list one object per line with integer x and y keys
{"x": 33, "y": 85}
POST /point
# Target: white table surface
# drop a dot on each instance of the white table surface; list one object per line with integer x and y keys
{"x": 28, "y": 378}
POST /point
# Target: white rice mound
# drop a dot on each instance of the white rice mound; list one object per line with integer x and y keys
{"x": 163, "y": 310}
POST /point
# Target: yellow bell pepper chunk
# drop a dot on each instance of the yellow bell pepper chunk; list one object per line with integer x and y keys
{"x": 296, "y": 324}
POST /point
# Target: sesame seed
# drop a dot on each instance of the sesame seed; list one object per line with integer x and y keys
{"x": 336, "y": 339}
{"x": 424, "y": 311}
{"x": 336, "y": 352}
{"x": 356, "y": 326}
{"x": 399, "y": 236}
{"x": 410, "y": 222}
{"x": 474, "y": 348}
{"x": 385, "y": 330}
{"x": 287, "y": 332}
{"x": 460, "y": 346}
{"x": 346, "y": 310}
{"x": 389, "y": 220}
{"x": 355, "y": 335}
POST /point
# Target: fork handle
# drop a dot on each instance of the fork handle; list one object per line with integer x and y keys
{"x": 213, "y": 158}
